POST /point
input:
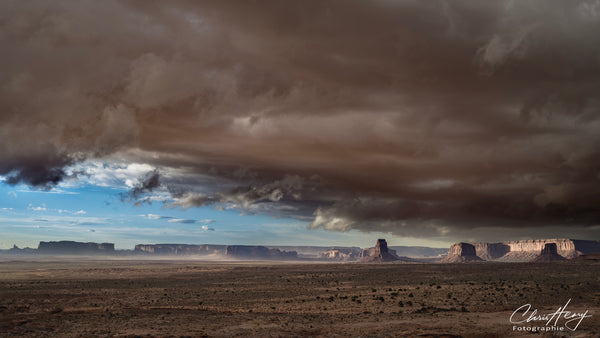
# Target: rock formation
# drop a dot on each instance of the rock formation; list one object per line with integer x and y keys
{"x": 549, "y": 254}
{"x": 75, "y": 248}
{"x": 305, "y": 251}
{"x": 380, "y": 253}
{"x": 491, "y": 251}
{"x": 180, "y": 249}
{"x": 527, "y": 250}
{"x": 257, "y": 252}
{"x": 461, "y": 253}
{"x": 339, "y": 255}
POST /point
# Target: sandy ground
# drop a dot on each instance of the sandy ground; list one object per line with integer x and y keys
{"x": 193, "y": 298}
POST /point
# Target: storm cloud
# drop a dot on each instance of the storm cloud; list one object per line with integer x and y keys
{"x": 416, "y": 118}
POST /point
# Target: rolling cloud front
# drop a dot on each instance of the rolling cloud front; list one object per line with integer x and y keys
{"x": 463, "y": 119}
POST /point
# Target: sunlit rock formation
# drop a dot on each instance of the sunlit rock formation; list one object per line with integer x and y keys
{"x": 380, "y": 253}
{"x": 461, "y": 253}
{"x": 339, "y": 255}
{"x": 527, "y": 250}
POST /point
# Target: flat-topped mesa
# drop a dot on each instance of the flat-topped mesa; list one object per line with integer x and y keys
{"x": 76, "y": 248}
{"x": 380, "y": 253}
{"x": 461, "y": 253}
{"x": 180, "y": 249}
{"x": 258, "y": 252}
{"x": 549, "y": 254}
{"x": 526, "y": 250}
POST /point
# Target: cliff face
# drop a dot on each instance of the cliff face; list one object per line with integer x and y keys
{"x": 72, "y": 248}
{"x": 257, "y": 252}
{"x": 526, "y": 250}
{"x": 490, "y": 251}
{"x": 180, "y": 249}
{"x": 461, "y": 253}
{"x": 538, "y": 244}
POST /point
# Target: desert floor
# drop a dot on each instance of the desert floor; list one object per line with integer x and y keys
{"x": 194, "y": 298}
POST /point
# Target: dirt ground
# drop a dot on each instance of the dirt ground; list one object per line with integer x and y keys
{"x": 194, "y": 298}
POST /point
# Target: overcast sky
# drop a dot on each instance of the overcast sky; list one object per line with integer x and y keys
{"x": 427, "y": 122}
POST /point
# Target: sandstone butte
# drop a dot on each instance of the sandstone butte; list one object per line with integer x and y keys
{"x": 379, "y": 254}
{"x": 549, "y": 254}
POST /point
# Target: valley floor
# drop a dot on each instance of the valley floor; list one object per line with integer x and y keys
{"x": 191, "y": 298}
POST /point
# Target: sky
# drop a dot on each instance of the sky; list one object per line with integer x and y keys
{"x": 299, "y": 123}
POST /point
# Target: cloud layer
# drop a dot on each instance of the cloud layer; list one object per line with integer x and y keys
{"x": 418, "y": 118}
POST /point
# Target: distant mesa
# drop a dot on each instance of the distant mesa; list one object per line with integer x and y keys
{"x": 207, "y": 250}
{"x": 379, "y": 254}
{"x": 180, "y": 249}
{"x": 419, "y": 251}
{"x": 340, "y": 254}
{"x": 258, "y": 252}
{"x": 525, "y": 250}
{"x": 536, "y": 250}
{"x": 402, "y": 253}
{"x": 75, "y": 248}
{"x": 549, "y": 254}
{"x": 18, "y": 251}
{"x": 461, "y": 253}
{"x": 588, "y": 257}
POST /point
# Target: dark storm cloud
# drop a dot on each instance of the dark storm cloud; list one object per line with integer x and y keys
{"x": 418, "y": 118}
{"x": 36, "y": 172}
{"x": 145, "y": 185}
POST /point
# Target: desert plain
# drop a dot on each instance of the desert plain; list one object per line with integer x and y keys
{"x": 191, "y": 298}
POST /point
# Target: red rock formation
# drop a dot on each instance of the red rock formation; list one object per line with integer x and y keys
{"x": 490, "y": 251}
{"x": 461, "y": 253}
{"x": 549, "y": 254}
{"x": 526, "y": 250}
{"x": 338, "y": 255}
{"x": 378, "y": 254}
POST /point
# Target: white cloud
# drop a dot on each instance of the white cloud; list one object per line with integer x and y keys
{"x": 207, "y": 228}
{"x": 7, "y": 209}
{"x": 154, "y": 216}
{"x": 52, "y": 191}
{"x": 38, "y": 208}
{"x": 64, "y": 211}
{"x": 12, "y": 193}
{"x": 111, "y": 174}
{"x": 181, "y": 220}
